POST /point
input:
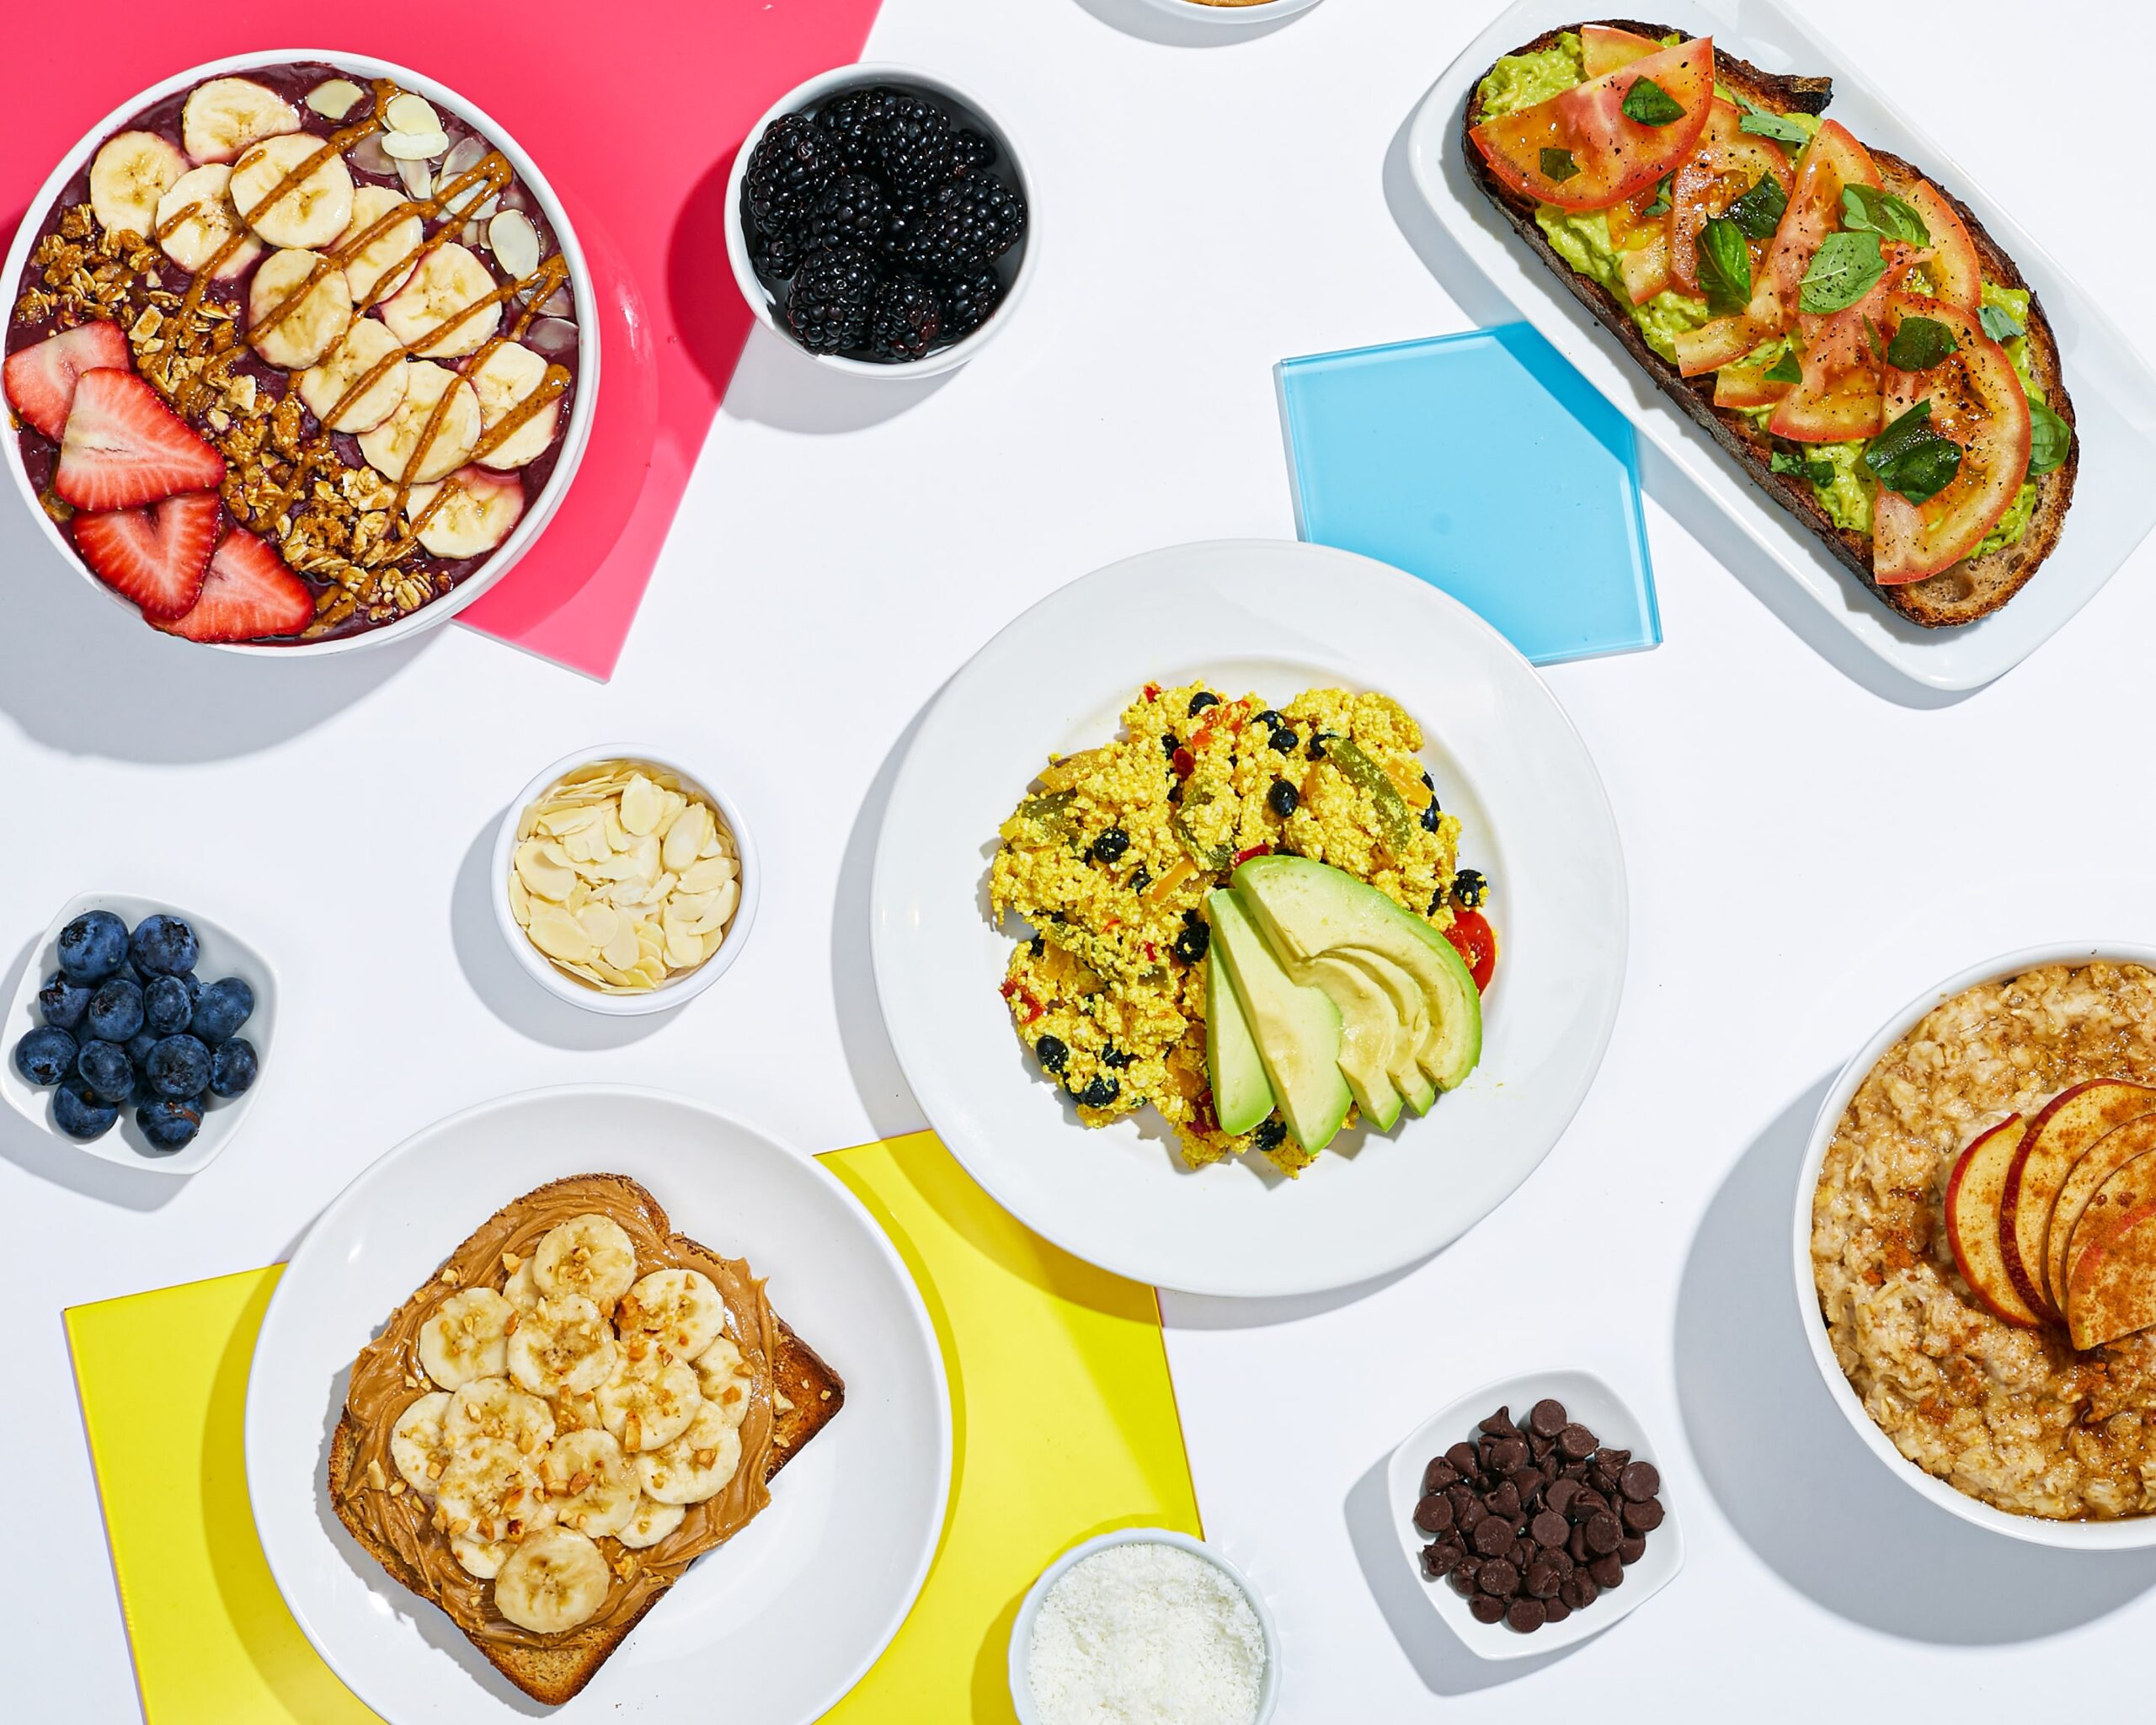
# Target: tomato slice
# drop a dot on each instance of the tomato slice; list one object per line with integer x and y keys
{"x": 1747, "y": 386}
{"x": 1476, "y": 942}
{"x": 1950, "y": 260}
{"x": 1976, "y": 400}
{"x": 1613, "y": 155}
{"x": 1604, "y": 48}
{"x": 1838, "y": 398}
{"x": 1728, "y": 163}
{"x": 1832, "y": 161}
{"x": 1645, "y": 268}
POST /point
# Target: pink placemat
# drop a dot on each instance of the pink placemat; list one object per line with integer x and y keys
{"x": 634, "y": 109}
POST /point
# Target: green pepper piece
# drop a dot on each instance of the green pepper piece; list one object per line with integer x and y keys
{"x": 1042, "y": 819}
{"x": 1393, "y": 822}
{"x": 1212, "y": 856}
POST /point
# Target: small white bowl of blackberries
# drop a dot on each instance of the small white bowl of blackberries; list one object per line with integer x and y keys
{"x": 145, "y": 1033}
{"x": 880, "y": 222}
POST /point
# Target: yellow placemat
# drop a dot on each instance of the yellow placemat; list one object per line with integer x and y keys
{"x": 1063, "y": 1420}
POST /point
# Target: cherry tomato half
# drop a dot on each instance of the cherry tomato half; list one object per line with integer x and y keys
{"x": 1476, "y": 942}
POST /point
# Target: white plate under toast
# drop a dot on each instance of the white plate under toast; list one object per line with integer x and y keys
{"x": 2113, "y": 390}
{"x": 773, "y": 1626}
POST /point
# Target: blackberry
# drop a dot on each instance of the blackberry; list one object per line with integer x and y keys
{"x": 967, "y": 299}
{"x": 853, "y": 211}
{"x": 906, "y": 320}
{"x": 916, "y": 148}
{"x": 971, "y": 150}
{"x": 828, "y": 306}
{"x": 857, "y": 122}
{"x": 968, "y": 223}
{"x": 776, "y": 256}
{"x": 794, "y": 160}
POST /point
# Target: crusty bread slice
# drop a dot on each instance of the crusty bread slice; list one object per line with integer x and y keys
{"x": 1971, "y": 589}
{"x": 552, "y": 1675}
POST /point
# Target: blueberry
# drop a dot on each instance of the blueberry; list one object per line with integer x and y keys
{"x": 104, "y": 1068}
{"x": 115, "y": 1011}
{"x": 1430, "y": 816}
{"x": 1317, "y": 743}
{"x": 165, "y": 946}
{"x": 1282, "y": 798}
{"x": 1469, "y": 888}
{"x": 1283, "y": 740}
{"x": 1110, "y": 844}
{"x": 168, "y": 1002}
{"x": 1201, "y": 701}
{"x": 233, "y": 1067}
{"x": 1269, "y": 1132}
{"x": 178, "y": 1066}
{"x": 92, "y": 947}
{"x": 1190, "y": 945}
{"x": 61, "y": 1002}
{"x": 1116, "y": 1057}
{"x": 1054, "y": 1052}
{"x": 169, "y": 1125}
{"x": 220, "y": 1009}
{"x": 1169, "y": 745}
{"x": 45, "y": 1055}
{"x": 138, "y": 1050}
{"x": 1099, "y": 1092}
{"x": 78, "y": 1113}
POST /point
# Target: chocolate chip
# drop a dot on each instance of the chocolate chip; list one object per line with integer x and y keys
{"x": 1607, "y": 1572}
{"x": 1434, "y": 1516}
{"x": 1555, "y": 1610}
{"x": 1526, "y": 1615}
{"x": 1548, "y": 1528}
{"x": 1558, "y": 1492}
{"x": 1602, "y": 1532}
{"x": 1498, "y": 1578}
{"x": 1439, "y": 1474}
{"x": 1575, "y": 1442}
{"x": 1613, "y": 1460}
{"x": 1643, "y": 1518}
{"x": 1524, "y": 1552}
{"x": 1546, "y": 1418}
{"x": 1630, "y": 1550}
{"x": 1504, "y": 1501}
{"x": 1578, "y": 1592}
{"x": 1577, "y": 1545}
{"x": 1586, "y": 1504}
{"x": 1500, "y": 1424}
{"x": 1460, "y": 1496}
{"x": 1541, "y": 1448}
{"x": 1528, "y": 1481}
{"x": 1485, "y": 1609}
{"x": 1471, "y": 1514}
{"x": 1640, "y": 1480}
{"x": 1462, "y": 1459}
{"x": 1541, "y": 1580}
{"x": 1461, "y": 1577}
{"x": 1439, "y": 1559}
{"x": 1492, "y": 1537}
{"x": 1559, "y": 1559}
{"x": 1508, "y": 1455}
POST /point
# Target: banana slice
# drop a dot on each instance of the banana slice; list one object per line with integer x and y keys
{"x": 496, "y": 1409}
{"x": 196, "y": 219}
{"x": 491, "y": 1491}
{"x": 679, "y": 1308}
{"x": 591, "y": 1254}
{"x": 521, "y": 1291}
{"x": 650, "y": 1522}
{"x": 508, "y": 375}
{"x": 648, "y": 1402}
{"x": 385, "y": 263}
{"x": 728, "y": 1383}
{"x": 466, "y": 1338}
{"x": 578, "y": 1414}
{"x": 310, "y": 214}
{"x": 564, "y": 1345}
{"x": 303, "y": 335}
{"x": 552, "y": 1582}
{"x": 132, "y": 173}
{"x": 697, "y": 1465}
{"x": 366, "y": 345}
{"x": 416, "y": 1444}
{"x": 429, "y": 313}
{"x": 481, "y": 1557}
{"x": 476, "y": 517}
{"x": 394, "y": 443}
{"x": 594, "y": 1488}
{"x": 224, "y": 116}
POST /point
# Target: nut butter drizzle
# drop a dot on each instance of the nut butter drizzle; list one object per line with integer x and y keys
{"x": 383, "y": 1385}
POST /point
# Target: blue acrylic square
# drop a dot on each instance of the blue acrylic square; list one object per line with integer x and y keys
{"x": 1485, "y": 464}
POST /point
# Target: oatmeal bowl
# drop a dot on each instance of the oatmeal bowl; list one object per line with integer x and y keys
{"x": 300, "y": 353}
{"x": 1975, "y": 1233}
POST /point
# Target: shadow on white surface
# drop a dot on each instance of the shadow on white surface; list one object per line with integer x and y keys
{"x": 505, "y": 990}
{"x": 1698, "y": 513}
{"x": 1209, "y": 1312}
{"x": 1794, "y": 1481}
{"x": 776, "y": 384}
{"x": 1137, "y": 18}
{"x": 878, "y": 1078}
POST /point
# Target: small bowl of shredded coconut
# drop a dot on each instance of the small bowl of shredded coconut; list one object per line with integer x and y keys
{"x": 1143, "y": 1626}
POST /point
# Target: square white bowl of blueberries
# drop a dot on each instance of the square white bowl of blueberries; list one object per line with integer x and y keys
{"x": 137, "y": 1032}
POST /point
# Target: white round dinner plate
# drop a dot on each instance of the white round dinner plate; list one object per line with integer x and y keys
{"x": 772, "y": 1627}
{"x": 1272, "y": 617}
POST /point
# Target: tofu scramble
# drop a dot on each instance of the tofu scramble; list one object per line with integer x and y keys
{"x": 1111, "y": 854}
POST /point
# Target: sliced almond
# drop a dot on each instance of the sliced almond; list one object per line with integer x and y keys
{"x": 515, "y": 241}
{"x": 334, "y": 97}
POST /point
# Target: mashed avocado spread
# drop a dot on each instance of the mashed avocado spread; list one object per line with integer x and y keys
{"x": 1583, "y": 240}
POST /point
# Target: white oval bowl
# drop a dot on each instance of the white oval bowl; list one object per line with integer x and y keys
{"x": 1022, "y": 1630}
{"x": 2134, "y": 1534}
{"x": 847, "y": 77}
{"x": 669, "y": 994}
{"x": 574, "y": 436}
{"x": 1231, "y": 14}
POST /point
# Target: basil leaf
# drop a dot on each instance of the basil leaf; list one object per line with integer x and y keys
{"x": 1725, "y": 266}
{"x": 1650, "y": 104}
{"x": 1660, "y": 206}
{"x": 1787, "y": 369}
{"x": 1787, "y": 460}
{"x": 1761, "y": 124}
{"x": 1758, "y": 212}
{"x": 1999, "y": 324}
{"x": 1872, "y": 337}
{"x": 1910, "y": 457}
{"x": 1867, "y": 209}
{"x": 1558, "y": 164}
{"x": 1919, "y": 343}
{"x": 1846, "y": 267}
{"x": 2049, "y": 439}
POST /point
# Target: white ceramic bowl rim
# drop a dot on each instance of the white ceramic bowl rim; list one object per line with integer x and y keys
{"x": 817, "y": 89}
{"x": 2133, "y": 1534}
{"x": 574, "y": 436}
{"x": 678, "y": 991}
{"x": 1233, "y": 14}
{"x": 1022, "y": 1628}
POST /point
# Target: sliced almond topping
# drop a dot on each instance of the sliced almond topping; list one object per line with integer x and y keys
{"x": 449, "y": 1274}
{"x": 376, "y": 1477}
{"x": 512, "y": 1261}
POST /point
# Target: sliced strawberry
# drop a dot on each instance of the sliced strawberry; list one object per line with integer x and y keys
{"x": 248, "y": 594}
{"x": 40, "y": 380}
{"x": 155, "y": 556}
{"x": 123, "y": 447}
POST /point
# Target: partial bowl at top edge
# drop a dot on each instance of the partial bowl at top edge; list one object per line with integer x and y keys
{"x": 1265, "y": 9}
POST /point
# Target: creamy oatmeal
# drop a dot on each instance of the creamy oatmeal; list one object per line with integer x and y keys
{"x": 2010, "y": 1415}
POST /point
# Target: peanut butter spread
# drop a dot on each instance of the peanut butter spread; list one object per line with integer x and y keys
{"x": 387, "y": 1378}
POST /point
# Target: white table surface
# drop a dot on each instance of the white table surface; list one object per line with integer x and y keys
{"x": 1807, "y": 847}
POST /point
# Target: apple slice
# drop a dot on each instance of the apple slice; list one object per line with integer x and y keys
{"x": 2105, "y": 1157}
{"x": 1973, "y": 1191}
{"x": 2110, "y": 1279}
{"x": 2058, "y": 1137}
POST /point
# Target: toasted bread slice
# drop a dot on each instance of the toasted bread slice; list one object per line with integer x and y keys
{"x": 813, "y": 1394}
{"x": 1971, "y": 589}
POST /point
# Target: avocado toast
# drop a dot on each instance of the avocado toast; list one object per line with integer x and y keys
{"x": 1845, "y": 330}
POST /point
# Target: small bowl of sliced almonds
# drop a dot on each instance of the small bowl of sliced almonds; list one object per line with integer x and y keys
{"x": 623, "y": 883}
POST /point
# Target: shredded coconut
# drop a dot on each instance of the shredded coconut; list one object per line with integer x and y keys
{"x": 1145, "y": 1634}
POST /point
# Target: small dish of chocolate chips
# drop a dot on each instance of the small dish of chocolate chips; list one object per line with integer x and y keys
{"x": 1534, "y": 1513}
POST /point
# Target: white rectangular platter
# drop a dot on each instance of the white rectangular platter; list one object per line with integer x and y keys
{"x": 2113, "y": 391}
